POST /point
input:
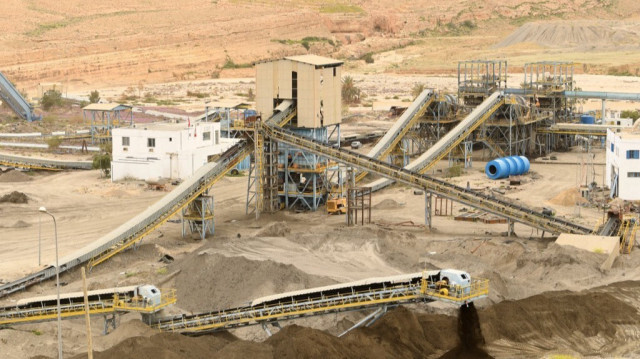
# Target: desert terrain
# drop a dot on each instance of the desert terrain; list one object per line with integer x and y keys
{"x": 545, "y": 300}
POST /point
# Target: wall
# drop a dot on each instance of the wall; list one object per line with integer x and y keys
{"x": 179, "y": 151}
{"x": 318, "y": 90}
{"x": 617, "y": 162}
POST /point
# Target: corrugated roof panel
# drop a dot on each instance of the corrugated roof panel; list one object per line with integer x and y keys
{"x": 106, "y": 107}
{"x": 314, "y": 60}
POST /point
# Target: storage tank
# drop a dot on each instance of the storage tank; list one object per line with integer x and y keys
{"x": 507, "y": 166}
{"x": 587, "y": 119}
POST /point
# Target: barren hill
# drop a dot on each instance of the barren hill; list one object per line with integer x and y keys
{"x": 86, "y": 44}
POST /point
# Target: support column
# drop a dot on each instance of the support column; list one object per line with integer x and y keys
{"x": 510, "y": 228}
{"x": 427, "y": 209}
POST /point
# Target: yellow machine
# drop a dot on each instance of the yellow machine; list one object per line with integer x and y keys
{"x": 337, "y": 205}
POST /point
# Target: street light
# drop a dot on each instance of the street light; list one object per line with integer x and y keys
{"x": 55, "y": 227}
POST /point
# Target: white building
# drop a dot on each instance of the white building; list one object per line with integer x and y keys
{"x": 623, "y": 162}
{"x": 165, "y": 150}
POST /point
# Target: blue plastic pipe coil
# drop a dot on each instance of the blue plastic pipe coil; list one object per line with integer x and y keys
{"x": 507, "y": 166}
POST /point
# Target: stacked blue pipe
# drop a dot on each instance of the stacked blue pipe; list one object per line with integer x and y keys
{"x": 507, "y": 166}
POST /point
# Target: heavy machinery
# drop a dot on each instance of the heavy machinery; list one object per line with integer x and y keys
{"x": 337, "y": 205}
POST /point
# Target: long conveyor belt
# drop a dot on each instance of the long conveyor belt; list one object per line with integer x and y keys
{"x": 400, "y": 128}
{"x": 100, "y": 302}
{"x": 480, "y": 201}
{"x": 360, "y": 295}
{"x": 453, "y": 138}
{"x": 42, "y": 164}
{"x": 144, "y": 223}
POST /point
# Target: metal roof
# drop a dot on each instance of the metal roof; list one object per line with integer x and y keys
{"x": 106, "y": 107}
{"x": 228, "y": 104}
{"x": 314, "y": 60}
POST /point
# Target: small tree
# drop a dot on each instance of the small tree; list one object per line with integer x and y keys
{"x": 417, "y": 90}
{"x": 350, "y": 93}
{"x": 94, "y": 97}
{"x": 51, "y": 98}
{"x": 102, "y": 160}
{"x": 250, "y": 95}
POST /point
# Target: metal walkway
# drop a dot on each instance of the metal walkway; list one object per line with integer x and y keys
{"x": 42, "y": 164}
{"x": 134, "y": 230}
{"x": 14, "y": 99}
{"x": 400, "y": 128}
{"x": 449, "y": 141}
{"x": 462, "y": 195}
{"x": 101, "y": 302}
{"x": 361, "y": 295}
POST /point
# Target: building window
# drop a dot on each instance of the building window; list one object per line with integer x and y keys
{"x": 612, "y": 147}
{"x": 335, "y": 72}
{"x": 217, "y": 137}
{"x": 151, "y": 142}
{"x": 633, "y": 174}
{"x": 633, "y": 154}
{"x": 206, "y": 136}
{"x": 125, "y": 141}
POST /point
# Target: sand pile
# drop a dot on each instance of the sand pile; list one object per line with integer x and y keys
{"x": 472, "y": 341}
{"x": 569, "y": 197}
{"x": 14, "y": 197}
{"x": 129, "y": 329}
{"x": 233, "y": 281}
{"x": 275, "y": 229}
{"x": 388, "y": 204}
{"x": 575, "y": 34}
{"x": 14, "y": 176}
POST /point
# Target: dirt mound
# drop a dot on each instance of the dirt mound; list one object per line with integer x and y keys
{"x": 560, "y": 320}
{"x": 233, "y": 281}
{"x": 130, "y": 329}
{"x": 14, "y": 197}
{"x": 20, "y": 224}
{"x": 14, "y": 176}
{"x": 388, "y": 204}
{"x": 275, "y": 229}
{"x": 470, "y": 334}
{"x": 576, "y": 34}
{"x": 569, "y": 198}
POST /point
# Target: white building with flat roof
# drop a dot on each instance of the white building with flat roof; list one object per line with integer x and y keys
{"x": 623, "y": 162}
{"x": 165, "y": 150}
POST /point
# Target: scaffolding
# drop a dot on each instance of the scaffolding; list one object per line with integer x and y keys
{"x": 106, "y": 116}
{"x": 545, "y": 83}
{"x": 305, "y": 179}
{"x": 358, "y": 205}
{"x": 198, "y": 217}
{"x": 262, "y": 183}
{"x": 477, "y": 79}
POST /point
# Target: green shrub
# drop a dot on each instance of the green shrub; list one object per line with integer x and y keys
{"x": 634, "y": 114}
{"x": 94, "y": 97}
{"x": 350, "y": 92}
{"x": 51, "y": 98}
{"x": 368, "y": 57}
{"x": 54, "y": 142}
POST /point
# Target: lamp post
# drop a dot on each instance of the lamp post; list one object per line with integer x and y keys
{"x": 55, "y": 227}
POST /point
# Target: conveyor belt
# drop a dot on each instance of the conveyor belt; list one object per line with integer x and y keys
{"x": 10, "y": 95}
{"x": 479, "y": 201}
{"x": 144, "y": 223}
{"x": 42, "y": 164}
{"x": 449, "y": 141}
{"x": 400, "y": 128}
{"x": 101, "y": 302}
{"x": 360, "y": 295}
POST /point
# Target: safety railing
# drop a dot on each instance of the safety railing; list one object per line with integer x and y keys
{"x": 138, "y": 304}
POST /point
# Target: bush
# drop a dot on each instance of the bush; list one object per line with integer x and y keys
{"x": 350, "y": 93}
{"x": 102, "y": 160}
{"x": 417, "y": 90}
{"x": 94, "y": 97}
{"x": 368, "y": 57}
{"x": 630, "y": 114}
{"x": 454, "y": 171}
{"x": 54, "y": 142}
{"x": 51, "y": 98}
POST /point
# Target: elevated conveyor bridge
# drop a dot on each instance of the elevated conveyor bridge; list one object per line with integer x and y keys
{"x": 33, "y": 163}
{"x": 373, "y": 293}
